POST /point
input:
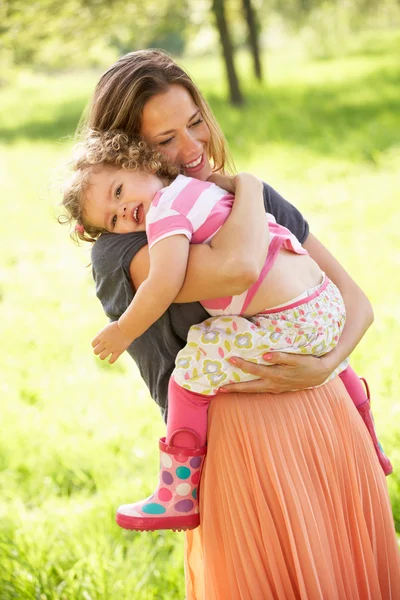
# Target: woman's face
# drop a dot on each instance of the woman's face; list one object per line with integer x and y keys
{"x": 173, "y": 124}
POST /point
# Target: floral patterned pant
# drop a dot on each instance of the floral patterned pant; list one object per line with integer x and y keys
{"x": 311, "y": 325}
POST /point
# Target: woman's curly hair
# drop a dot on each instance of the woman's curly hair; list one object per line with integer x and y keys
{"x": 110, "y": 148}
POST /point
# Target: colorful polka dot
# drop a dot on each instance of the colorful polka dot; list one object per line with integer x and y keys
{"x": 195, "y": 462}
{"x": 194, "y": 493}
{"x": 184, "y": 506}
{"x": 181, "y": 459}
{"x": 182, "y": 472}
{"x": 153, "y": 509}
{"x": 164, "y": 495}
{"x": 167, "y": 478}
{"x": 129, "y": 510}
{"x": 195, "y": 477}
{"x": 183, "y": 489}
{"x": 166, "y": 460}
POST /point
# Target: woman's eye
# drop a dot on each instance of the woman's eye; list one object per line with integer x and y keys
{"x": 197, "y": 122}
{"x": 166, "y": 142}
{"x": 118, "y": 191}
{"x": 114, "y": 221}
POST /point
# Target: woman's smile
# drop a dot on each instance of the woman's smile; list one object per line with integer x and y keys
{"x": 195, "y": 166}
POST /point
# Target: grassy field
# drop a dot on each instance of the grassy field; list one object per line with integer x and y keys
{"x": 78, "y": 436}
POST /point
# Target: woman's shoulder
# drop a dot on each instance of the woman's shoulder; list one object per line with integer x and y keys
{"x": 285, "y": 213}
{"x": 112, "y": 255}
{"x": 111, "y": 249}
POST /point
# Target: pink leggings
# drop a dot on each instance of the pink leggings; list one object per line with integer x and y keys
{"x": 188, "y": 410}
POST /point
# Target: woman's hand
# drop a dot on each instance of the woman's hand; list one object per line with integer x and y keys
{"x": 288, "y": 372}
{"x": 226, "y": 182}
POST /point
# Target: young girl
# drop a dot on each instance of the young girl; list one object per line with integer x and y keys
{"x": 119, "y": 185}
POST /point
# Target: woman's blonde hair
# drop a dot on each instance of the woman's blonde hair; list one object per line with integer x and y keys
{"x": 102, "y": 149}
{"x": 124, "y": 89}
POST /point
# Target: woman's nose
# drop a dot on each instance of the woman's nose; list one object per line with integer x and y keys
{"x": 190, "y": 148}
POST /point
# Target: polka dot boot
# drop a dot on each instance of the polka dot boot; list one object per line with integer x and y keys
{"x": 174, "y": 505}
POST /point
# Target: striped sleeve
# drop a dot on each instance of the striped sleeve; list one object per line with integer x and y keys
{"x": 173, "y": 210}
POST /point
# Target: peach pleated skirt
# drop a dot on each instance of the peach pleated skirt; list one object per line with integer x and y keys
{"x": 294, "y": 504}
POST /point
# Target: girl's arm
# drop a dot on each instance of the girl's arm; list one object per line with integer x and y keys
{"x": 168, "y": 261}
{"x": 292, "y": 371}
{"x": 166, "y": 275}
{"x": 236, "y": 255}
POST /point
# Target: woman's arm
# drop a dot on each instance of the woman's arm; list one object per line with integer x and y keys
{"x": 292, "y": 371}
{"x": 359, "y": 312}
{"x": 235, "y": 257}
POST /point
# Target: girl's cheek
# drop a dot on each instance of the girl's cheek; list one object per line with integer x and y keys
{"x": 170, "y": 154}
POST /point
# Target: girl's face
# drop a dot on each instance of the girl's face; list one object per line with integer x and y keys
{"x": 118, "y": 200}
{"x": 173, "y": 124}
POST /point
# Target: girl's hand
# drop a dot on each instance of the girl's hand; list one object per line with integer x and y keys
{"x": 112, "y": 341}
{"x": 288, "y": 372}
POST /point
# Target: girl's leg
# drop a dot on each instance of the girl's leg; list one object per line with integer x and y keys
{"x": 174, "y": 503}
{"x": 186, "y": 410}
{"x": 357, "y": 393}
{"x": 353, "y": 385}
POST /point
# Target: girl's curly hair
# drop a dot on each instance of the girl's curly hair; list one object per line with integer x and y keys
{"x": 110, "y": 148}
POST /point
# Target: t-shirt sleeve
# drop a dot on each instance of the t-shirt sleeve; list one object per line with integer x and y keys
{"x": 285, "y": 213}
{"x": 169, "y": 226}
{"x": 112, "y": 255}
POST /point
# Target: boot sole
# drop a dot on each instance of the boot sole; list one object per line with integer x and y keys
{"x": 155, "y": 524}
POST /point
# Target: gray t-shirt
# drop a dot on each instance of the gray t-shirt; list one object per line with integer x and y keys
{"x": 155, "y": 351}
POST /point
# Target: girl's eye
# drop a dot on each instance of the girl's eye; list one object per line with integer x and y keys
{"x": 197, "y": 122}
{"x": 118, "y": 191}
{"x": 114, "y": 221}
{"x": 166, "y": 142}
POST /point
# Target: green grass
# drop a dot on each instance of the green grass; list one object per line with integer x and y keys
{"x": 78, "y": 436}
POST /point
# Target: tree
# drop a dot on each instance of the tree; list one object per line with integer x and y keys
{"x": 236, "y": 96}
{"x": 253, "y": 36}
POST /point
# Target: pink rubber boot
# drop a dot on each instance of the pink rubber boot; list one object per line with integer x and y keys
{"x": 366, "y": 415}
{"x": 174, "y": 505}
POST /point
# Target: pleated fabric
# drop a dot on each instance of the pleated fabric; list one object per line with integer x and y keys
{"x": 294, "y": 504}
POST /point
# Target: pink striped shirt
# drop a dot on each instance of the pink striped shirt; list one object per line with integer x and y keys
{"x": 198, "y": 209}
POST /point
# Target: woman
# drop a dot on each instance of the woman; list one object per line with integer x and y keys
{"x": 294, "y": 503}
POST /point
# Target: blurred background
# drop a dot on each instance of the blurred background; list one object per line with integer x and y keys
{"x": 308, "y": 95}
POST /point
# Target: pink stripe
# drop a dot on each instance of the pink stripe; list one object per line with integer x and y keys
{"x": 273, "y": 251}
{"x": 156, "y": 199}
{"x": 217, "y": 217}
{"x": 317, "y": 293}
{"x": 167, "y": 225}
{"x": 217, "y": 303}
{"x": 188, "y": 197}
{"x": 290, "y": 242}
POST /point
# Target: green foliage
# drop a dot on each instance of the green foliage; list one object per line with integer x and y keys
{"x": 60, "y": 35}
{"x": 78, "y": 436}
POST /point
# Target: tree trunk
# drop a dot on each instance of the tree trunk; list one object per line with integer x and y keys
{"x": 236, "y": 97}
{"x": 253, "y": 37}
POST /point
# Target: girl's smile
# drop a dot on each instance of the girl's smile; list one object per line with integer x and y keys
{"x": 118, "y": 200}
